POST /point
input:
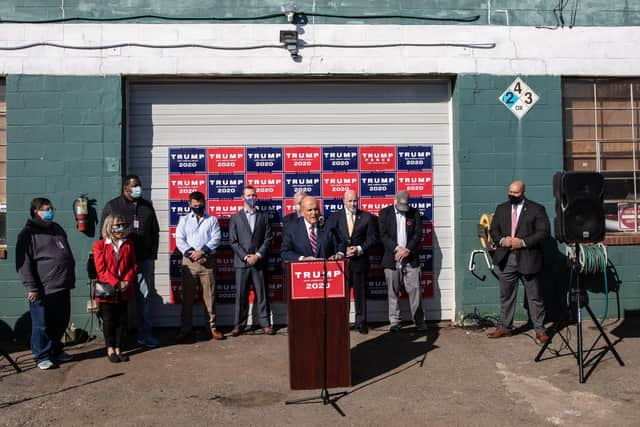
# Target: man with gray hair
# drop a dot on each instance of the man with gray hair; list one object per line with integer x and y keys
{"x": 294, "y": 216}
{"x": 401, "y": 234}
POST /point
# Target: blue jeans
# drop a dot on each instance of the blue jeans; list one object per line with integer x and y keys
{"x": 144, "y": 293}
{"x": 50, "y": 316}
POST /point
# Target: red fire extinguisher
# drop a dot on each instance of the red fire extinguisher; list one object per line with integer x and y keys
{"x": 81, "y": 212}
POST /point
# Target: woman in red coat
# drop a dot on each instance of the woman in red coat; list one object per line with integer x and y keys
{"x": 115, "y": 261}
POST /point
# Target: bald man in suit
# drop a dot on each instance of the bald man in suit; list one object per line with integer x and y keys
{"x": 519, "y": 227}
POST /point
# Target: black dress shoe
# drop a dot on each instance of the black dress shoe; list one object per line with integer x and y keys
{"x": 395, "y": 328}
{"x": 113, "y": 358}
{"x": 363, "y": 329}
{"x": 123, "y": 357}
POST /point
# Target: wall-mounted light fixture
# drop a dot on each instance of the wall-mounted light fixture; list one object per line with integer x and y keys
{"x": 290, "y": 40}
{"x": 289, "y": 9}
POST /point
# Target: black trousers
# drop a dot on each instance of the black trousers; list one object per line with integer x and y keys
{"x": 358, "y": 281}
{"x": 114, "y": 319}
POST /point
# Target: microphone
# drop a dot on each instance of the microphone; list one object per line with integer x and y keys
{"x": 321, "y": 221}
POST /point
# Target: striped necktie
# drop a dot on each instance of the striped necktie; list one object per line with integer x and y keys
{"x": 313, "y": 240}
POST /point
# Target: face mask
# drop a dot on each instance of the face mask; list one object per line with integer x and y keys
{"x": 136, "y": 192}
{"x": 198, "y": 211}
{"x": 515, "y": 200}
{"x": 48, "y": 215}
{"x": 297, "y": 207}
{"x": 251, "y": 202}
{"x": 115, "y": 230}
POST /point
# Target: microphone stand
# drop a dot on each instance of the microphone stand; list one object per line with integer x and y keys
{"x": 325, "y": 396}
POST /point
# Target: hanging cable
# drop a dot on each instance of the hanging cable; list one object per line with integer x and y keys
{"x": 480, "y": 45}
{"x": 298, "y": 17}
{"x": 593, "y": 260}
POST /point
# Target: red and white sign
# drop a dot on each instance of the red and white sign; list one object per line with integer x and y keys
{"x": 626, "y": 219}
{"x": 302, "y": 159}
{"x": 307, "y": 279}
{"x": 375, "y": 204}
{"x": 223, "y": 208}
{"x": 427, "y": 234}
{"x": 267, "y": 185}
{"x": 334, "y": 184}
{"x": 181, "y": 185}
{"x": 418, "y": 184}
{"x": 175, "y": 294}
{"x": 378, "y": 158}
{"x": 172, "y": 239}
{"x": 225, "y": 159}
{"x": 426, "y": 284}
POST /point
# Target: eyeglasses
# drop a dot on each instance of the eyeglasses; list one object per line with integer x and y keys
{"x": 47, "y": 210}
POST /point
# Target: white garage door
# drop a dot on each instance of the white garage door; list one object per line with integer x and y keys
{"x": 271, "y": 113}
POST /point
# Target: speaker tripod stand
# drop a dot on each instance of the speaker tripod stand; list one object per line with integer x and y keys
{"x": 579, "y": 299}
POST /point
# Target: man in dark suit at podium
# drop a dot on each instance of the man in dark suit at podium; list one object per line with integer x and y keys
{"x": 360, "y": 231}
{"x": 308, "y": 238}
{"x": 519, "y": 228}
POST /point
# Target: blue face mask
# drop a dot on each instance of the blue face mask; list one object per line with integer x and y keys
{"x": 136, "y": 192}
{"x": 48, "y": 215}
{"x": 251, "y": 202}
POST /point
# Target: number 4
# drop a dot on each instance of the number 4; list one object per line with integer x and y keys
{"x": 517, "y": 88}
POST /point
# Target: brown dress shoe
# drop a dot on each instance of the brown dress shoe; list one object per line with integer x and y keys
{"x": 542, "y": 337}
{"x": 499, "y": 333}
{"x": 235, "y": 332}
{"x": 216, "y": 334}
{"x": 268, "y": 330}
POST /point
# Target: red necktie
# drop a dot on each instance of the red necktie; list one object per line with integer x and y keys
{"x": 313, "y": 239}
{"x": 514, "y": 220}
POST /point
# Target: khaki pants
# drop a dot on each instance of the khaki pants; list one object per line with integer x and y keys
{"x": 192, "y": 274}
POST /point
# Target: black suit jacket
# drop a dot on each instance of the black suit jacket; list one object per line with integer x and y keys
{"x": 244, "y": 242}
{"x": 533, "y": 227}
{"x": 389, "y": 235}
{"x": 293, "y": 216}
{"x": 365, "y": 234}
{"x": 295, "y": 242}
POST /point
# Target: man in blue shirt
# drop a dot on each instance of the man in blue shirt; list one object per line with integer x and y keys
{"x": 197, "y": 238}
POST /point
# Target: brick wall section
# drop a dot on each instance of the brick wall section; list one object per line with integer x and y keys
{"x": 492, "y": 148}
{"x": 60, "y": 132}
{"x": 504, "y": 12}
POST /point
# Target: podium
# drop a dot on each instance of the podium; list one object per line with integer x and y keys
{"x": 305, "y": 296}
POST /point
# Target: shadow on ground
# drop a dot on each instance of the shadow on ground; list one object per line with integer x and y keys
{"x": 389, "y": 351}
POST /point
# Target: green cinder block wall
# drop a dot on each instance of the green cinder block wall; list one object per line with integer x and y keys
{"x": 492, "y": 148}
{"x": 469, "y": 12}
{"x": 64, "y": 134}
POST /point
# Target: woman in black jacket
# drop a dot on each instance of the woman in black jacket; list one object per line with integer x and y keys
{"x": 46, "y": 267}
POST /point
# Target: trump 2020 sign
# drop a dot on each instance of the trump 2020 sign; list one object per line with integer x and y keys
{"x": 377, "y": 173}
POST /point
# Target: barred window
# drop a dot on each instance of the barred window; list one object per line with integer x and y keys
{"x": 601, "y": 133}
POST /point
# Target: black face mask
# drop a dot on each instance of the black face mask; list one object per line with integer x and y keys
{"x": 515, "y": 200}
{"x": 198, "y": 211}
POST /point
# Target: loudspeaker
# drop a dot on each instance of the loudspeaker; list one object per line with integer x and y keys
{"x": 579, "y": 207}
